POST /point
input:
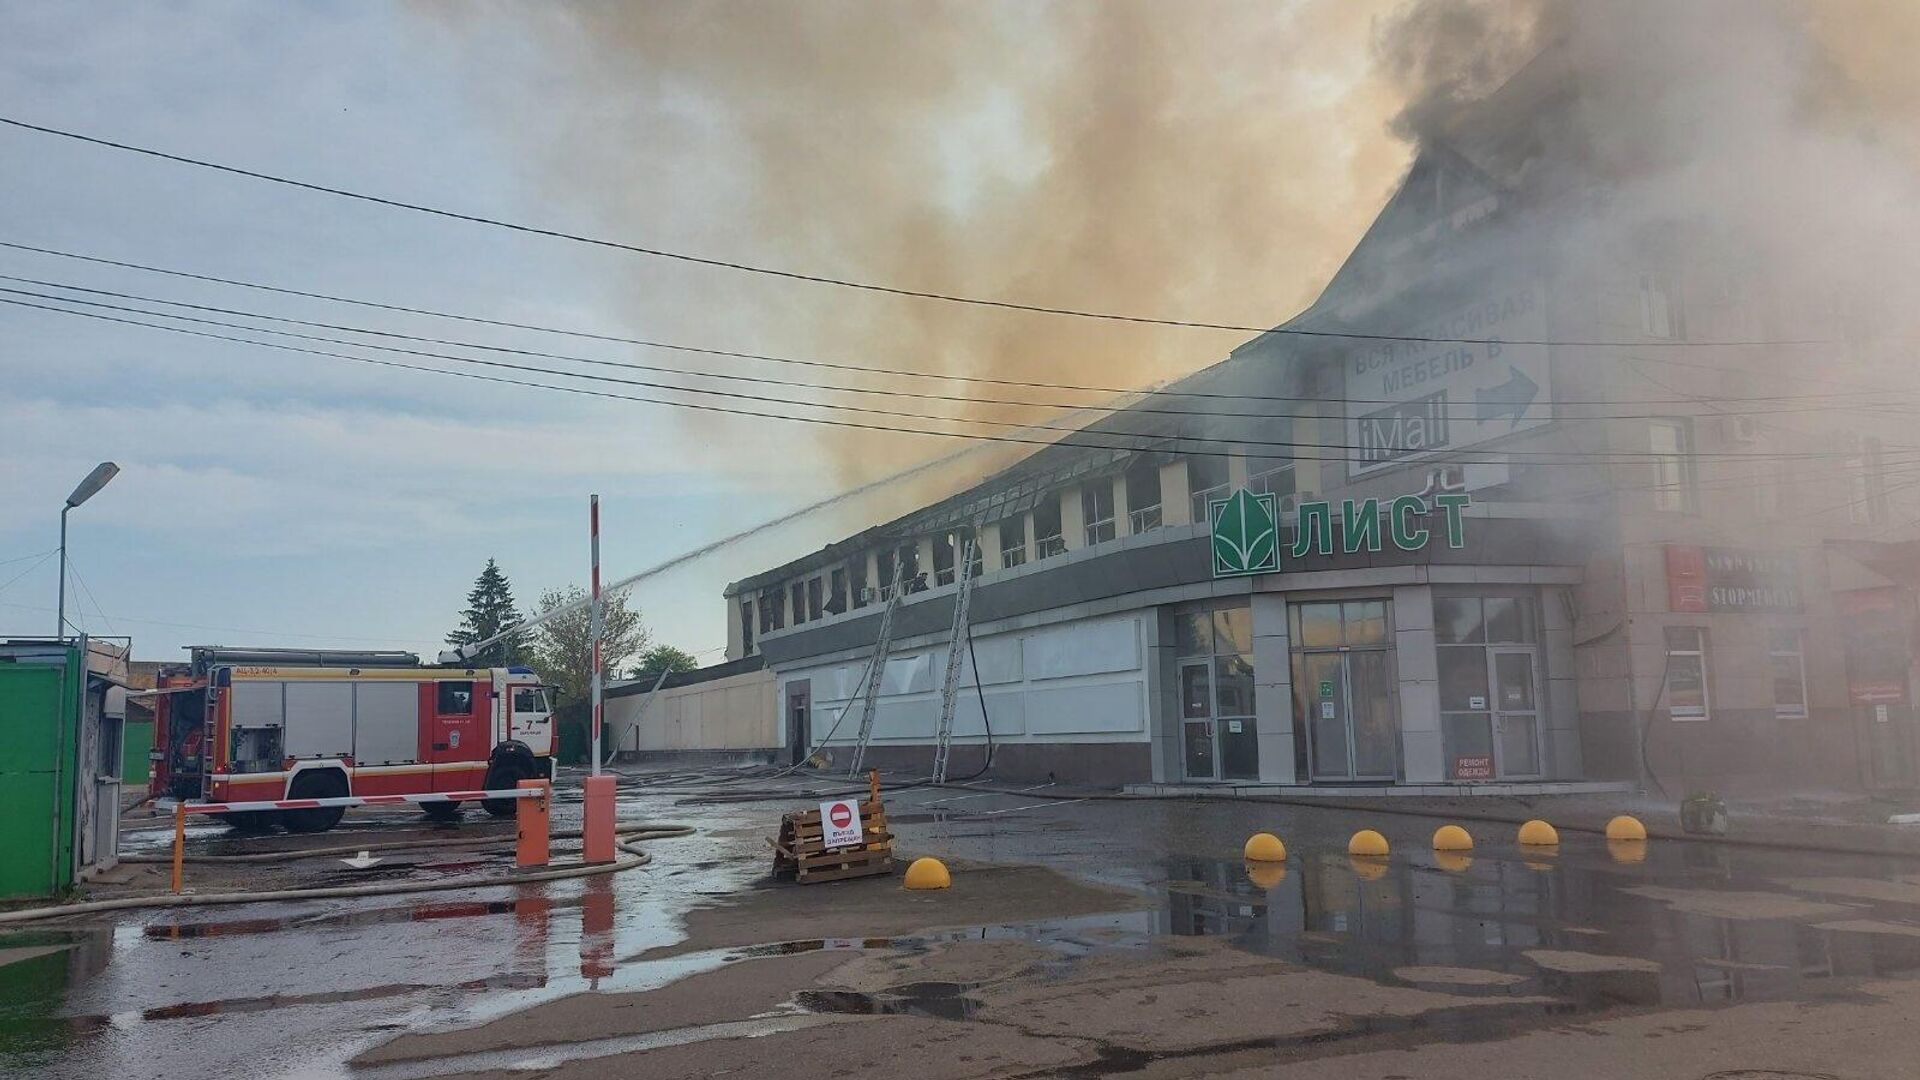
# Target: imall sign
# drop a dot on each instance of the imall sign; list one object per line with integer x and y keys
{"x": 1461, "y": 380}
{"x": 1245, "y": 528}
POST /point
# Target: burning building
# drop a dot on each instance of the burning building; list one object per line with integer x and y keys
{"x": 1563, "y": 479}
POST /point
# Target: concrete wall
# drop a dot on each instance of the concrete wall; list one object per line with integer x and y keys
{"x": 734, "y": 713}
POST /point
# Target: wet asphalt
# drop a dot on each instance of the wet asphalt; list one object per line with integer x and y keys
{"x": 295, "y": 990}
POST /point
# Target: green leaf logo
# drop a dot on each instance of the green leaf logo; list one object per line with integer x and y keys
{"x": 1246, "y": 534}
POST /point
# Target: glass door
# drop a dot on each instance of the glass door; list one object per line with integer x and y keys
{"x": 1373, "y": 729}
{"x": 1323, "y": 681}
{"x": 1516, "y": 713}
{"x": 1196, "y": 719}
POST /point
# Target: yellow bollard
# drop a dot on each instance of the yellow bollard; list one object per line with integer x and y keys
{"x": 1452, "y": 838}
{"x": 1367, "y": 844}
{"x": 179, "y": 846}
{"x": 928, "y": 873}
{"x": 1626, "y": 827}
{"x": 1265, "y": 847}
{"x": 1537, "y": 833}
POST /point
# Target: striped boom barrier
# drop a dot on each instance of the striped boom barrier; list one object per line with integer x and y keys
{"x": 345, "y": 800}
{"x": 181, "y": 809}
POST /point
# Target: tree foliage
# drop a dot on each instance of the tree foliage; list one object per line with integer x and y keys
{"x": 490, "y": 609}
{"x": 562, "y": 647}
{"x": 663, "y": 658}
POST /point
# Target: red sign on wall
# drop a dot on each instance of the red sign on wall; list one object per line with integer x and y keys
{"x": 1478, "y": 767}
{"x": 1686, "y": 578}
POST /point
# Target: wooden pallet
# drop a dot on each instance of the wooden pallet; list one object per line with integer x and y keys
{"x": 798, "y": 853}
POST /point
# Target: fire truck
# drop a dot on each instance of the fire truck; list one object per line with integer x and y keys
{"x": 237, "y": 725}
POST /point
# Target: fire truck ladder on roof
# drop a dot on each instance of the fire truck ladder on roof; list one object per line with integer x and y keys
{"x": 877, "y": 668}
{"x": 956, "y": 644}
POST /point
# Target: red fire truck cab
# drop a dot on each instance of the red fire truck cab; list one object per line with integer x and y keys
{"x": 239, "y": 725}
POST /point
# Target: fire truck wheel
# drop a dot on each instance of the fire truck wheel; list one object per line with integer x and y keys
{"x": 316, "y": 784}
{"x": 510, "y": 763}
{"x": 441, "y": 811}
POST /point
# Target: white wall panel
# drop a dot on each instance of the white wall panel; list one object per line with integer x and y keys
{"x": 1094, "y": 708}
{"x": 908, "y": 675}
{"x": 1093, "y": 647}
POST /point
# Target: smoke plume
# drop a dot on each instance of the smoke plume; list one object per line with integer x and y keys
{"x": 1213, "y": 161}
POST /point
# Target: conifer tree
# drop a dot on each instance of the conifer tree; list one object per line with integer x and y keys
{"x": 490, "y": 609}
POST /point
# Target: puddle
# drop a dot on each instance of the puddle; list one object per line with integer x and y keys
{"x": 938, "y": 1000}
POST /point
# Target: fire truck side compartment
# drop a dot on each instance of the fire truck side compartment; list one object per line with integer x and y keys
{"x": 257, "y": 718}
{"x": 319, "y": 719}
{"x": 386, "y": 723}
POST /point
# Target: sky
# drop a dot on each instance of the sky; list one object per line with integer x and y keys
{"x": 273, "y": 498}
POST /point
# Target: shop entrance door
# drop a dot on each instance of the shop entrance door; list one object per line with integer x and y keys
{"x": 1516, "y": 713}
{"x": 1351, "y": 730}
{"x": 1196, "y": 719}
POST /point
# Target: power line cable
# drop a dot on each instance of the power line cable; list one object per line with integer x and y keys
{"x": 24, "y": 558}
{"x": 1153, "y": 440}
{"x": 825, "y": 279}
{"x": 4, "y": 586}
{"x": 203, "y": 626}
{"x": 1470, "y": 410}
{"x": 74, "y": 570}
{"x": 1155, "y": 392}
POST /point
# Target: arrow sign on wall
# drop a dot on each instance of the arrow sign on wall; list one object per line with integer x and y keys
{"x": 1510, "y": 398}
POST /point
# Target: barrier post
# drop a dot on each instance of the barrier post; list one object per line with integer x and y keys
{"x": 531, "y": 821}
{"x": 179, "y": 845}
{"x": 596, "y": 834}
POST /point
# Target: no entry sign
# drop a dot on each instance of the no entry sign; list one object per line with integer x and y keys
{"x": 840, "y": 824}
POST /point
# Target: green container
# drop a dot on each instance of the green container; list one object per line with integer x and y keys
{"x": 40, "y": 726}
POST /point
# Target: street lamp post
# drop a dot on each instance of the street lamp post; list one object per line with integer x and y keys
{"x": 87, "y": 489}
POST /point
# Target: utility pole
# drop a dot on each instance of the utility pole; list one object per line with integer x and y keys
{"x": 595, "y": 622}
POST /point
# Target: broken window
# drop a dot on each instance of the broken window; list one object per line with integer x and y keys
{"x": 1096, "y": 509}
{"x": 837, "y": 593}
{"x": 858, "y": 586}
{"x": 746, "y": 627}
{"x": 1143, "y": 498}
{"x": 1206, "y": 481}
{"x": 797, "y": 595}
{"x": 912, "y": 578}
{"x": 1047, "y": 540}
{"x": 1271, "y": 476}
{"x": 943, "y": 559}
{"x": 816, "y": 598}
{"x": 1013, "y": 542}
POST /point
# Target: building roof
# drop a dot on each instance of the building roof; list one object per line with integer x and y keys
{"x": 743, "y": 666}
{"x": 1468, "y": 174}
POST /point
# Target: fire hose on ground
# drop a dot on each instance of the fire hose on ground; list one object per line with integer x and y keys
{"x": 602, "y": 837}
{"x": 628, "y": 834}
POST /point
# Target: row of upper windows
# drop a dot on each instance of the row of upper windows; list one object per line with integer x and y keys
{"x": 1031, "y": 536}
